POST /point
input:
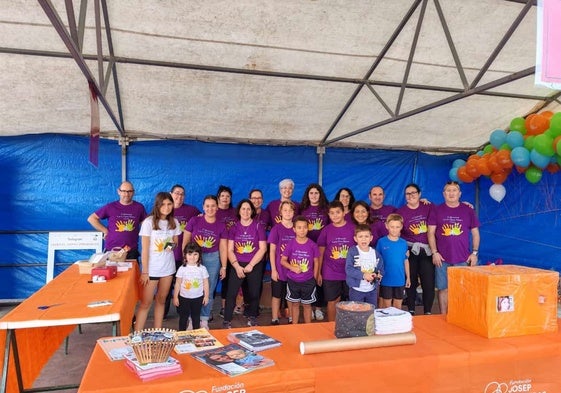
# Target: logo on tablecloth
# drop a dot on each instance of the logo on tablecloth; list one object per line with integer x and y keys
{"x": 514, "y": 386}
{"x": 237, "y": 387}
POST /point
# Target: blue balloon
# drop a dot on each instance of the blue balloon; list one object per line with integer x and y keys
{"x": 497, "y": 138}
{"x": 520, "y": 156}
{"x": 538, "y": 159}
{"x": 458, "y": 163}
{"x": 515, "y": 139}
{"x": 453, "y": 174}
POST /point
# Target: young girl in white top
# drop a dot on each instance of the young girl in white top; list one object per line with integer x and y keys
{"x": 191, "y": 287}
{"x": 159, "y": 233}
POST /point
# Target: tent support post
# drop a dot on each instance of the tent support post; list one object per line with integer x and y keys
{"x": 124, "y": 143}
{"x": 320, "y": 152}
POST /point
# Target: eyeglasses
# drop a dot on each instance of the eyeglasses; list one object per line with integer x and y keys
{"x": 127, "y": 191}
{"x": 411, "y": 193}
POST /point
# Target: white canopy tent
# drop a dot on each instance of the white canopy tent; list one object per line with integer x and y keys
{"x": 428, "y": 75}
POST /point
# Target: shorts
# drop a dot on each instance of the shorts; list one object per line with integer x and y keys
{"x": 391, "y": 292}
{"x": 152, "y": 278}
{"x": 301, "y": 292}
{"x": 278, "y": 289}
{"x": 335, "y": 289}
{"x": 442, "y": 274}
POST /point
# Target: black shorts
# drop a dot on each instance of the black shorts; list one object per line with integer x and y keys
{"x": 391, "y": 292}
{"x": 301, "y": 292}
{"x": 335, "y": 289}
{"x": 158, "y": 278}
{"x": 278, "y": 289}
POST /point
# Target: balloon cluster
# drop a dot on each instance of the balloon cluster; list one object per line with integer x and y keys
{"x": 532, "y": 145}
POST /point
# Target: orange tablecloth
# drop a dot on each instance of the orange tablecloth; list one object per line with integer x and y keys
{"x": 39, "y": 333}
{"x": 444, "y": 359}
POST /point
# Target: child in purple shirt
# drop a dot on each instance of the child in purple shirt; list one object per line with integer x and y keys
{"x": 301, "y": 257}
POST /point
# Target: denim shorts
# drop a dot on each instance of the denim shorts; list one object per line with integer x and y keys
{"x": 442, "y": 274}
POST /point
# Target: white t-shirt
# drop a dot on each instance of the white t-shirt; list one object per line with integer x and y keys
{"x": 192, "y": 281}
{"x": 161, "y": 262}
{"x": 368, "y": 263}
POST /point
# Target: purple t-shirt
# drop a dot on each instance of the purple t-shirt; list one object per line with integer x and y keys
{"x": 263, "y": 217}
{"x": 380, "y": 215}
{"x": 303, "y": 255}
{"x": 227, "y": 216}
{"x": 274, "y": 213}
{"x": 453, "y": 231}
{"x": 280, "y": 236}
{"x": 337, "y": 242}
{"x": 207, "y": 235}
{"x": 415, "y": 223}
{"x": 123, "y": 223}
{"x": 246, "y": 240}
{"x": 183, "y": 214}
{"x": 317, "y": 220}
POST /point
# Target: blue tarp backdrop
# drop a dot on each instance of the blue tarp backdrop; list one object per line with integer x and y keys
{"x": 47, "y": 184}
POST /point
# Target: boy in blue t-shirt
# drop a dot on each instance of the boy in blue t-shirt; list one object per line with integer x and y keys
{"x": 396, "y": 264}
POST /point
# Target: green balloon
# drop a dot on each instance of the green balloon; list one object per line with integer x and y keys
{"x": 488, "y": 149}
{"x": 544, "y": 145}
{"x": 558, "y": 159}
{"x": 533, "y": 174}
{"x": 555, "y": 124}
{"x": 505, "y": 146}
{"x": 529, "y": 142}
{"x": 517, "y": 124}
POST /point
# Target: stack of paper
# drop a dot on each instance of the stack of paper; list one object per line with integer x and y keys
{"x": 149, "y": 371}
{"x": 392, "y": 320}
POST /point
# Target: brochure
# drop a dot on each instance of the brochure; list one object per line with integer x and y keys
{"x": 115, "y": 347}
{"x": 195, "y": 340}
{"x": 254, "y": 340}
{"x": 232, "y": 359}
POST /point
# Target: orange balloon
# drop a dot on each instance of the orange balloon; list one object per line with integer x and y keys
{"x": 536, "y": 124}
{"x": 503, "y": 158}
{"x": 553, "y": 168}
{"x": 483, "y": 166}
{"x": 474, "y": 157}
{"x": 493, "y": 163}
{"x": 547, "y": 114}
{"x": 520, "y": 169}
{"x": 472, "y": 169}
{"x": 499, "y": 177}
{"x": 463, "y": 175}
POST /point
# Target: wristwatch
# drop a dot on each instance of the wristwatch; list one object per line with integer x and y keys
{"x": 474, "y": 252}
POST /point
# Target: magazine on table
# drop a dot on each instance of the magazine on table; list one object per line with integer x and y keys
{"x": 170, "y": 362}
{"x": 195, "y": 340}
{"x": 233, "y": 359}
{"x": 149, "y": 371}
{"x": 115, "y": 347}
{"x": 254, "y": 340}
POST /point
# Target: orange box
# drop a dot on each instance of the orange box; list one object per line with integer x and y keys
{"x": 503, "y": 300}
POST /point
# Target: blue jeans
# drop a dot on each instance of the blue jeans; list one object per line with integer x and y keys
{"x": 442, "y": 274}
{"x": 211, "y": 261}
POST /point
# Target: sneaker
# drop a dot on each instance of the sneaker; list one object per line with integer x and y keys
{"x": 412, "y": 312}
{"x": 428, "y": 313}
{"x": 226, "y": 325}
{"x": 221, "y": 313}
{"x": 275, "y": 322}
{"x": 238, "y": 310}
{"x": 204, "y": 324}
{"x": 289, "y": 319}
{"x": 318, "y": 314}
{"x": 252, "y": 321}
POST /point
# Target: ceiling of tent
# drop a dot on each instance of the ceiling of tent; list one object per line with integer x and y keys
{"x": 430, "y": 75}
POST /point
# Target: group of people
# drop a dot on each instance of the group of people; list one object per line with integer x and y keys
{"x": 319, "y": 252}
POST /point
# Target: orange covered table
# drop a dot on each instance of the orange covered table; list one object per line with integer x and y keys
{"x": 445, "y": 358}
{"x": 31, "y": 335}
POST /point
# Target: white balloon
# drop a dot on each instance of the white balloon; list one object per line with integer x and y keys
{"x": 497, "y": 192}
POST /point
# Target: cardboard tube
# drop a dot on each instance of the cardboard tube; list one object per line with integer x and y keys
{"x": 352, "y": 343}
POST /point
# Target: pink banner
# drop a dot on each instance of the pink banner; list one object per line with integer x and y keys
{"x": 94, "y": 131}
{"x": 548, "y": 67}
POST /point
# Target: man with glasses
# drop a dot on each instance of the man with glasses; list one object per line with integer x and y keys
{"x": 123, "y": 221}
